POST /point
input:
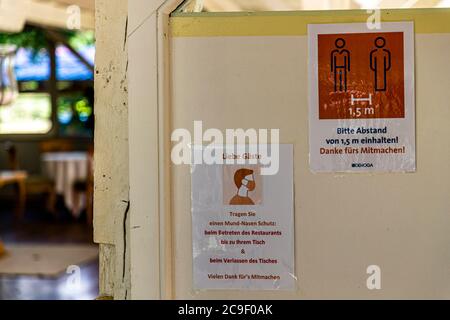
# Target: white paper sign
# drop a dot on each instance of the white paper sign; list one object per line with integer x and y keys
{"x": 243, "y": 225}
{"x": 362, "y": 103}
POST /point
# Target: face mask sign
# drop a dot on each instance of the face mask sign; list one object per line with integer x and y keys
{"x": 243, "y": 236}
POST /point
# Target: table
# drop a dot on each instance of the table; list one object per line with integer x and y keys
{"x": 17, "y": 178}
{"x": 65, "y": 168}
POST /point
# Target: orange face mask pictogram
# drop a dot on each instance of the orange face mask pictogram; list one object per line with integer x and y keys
{"x": 361, "y": 76}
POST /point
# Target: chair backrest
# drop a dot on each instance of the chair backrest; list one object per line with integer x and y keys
{"x": 13, "y": 160}
{"x": 90, "y": 177}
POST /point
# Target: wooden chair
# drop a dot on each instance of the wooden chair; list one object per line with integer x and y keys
{"x": 13, "y": 161}
{"x": 35, "y": 184}
{"x": 18, "y": 180}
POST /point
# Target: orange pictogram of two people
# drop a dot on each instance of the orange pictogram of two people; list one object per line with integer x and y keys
{"x": 245, "y": 183}
{"x": 380, "y": 64}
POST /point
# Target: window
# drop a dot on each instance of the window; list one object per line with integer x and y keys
{"x": 31, "y": 113}
{"x": 75, "y": 115}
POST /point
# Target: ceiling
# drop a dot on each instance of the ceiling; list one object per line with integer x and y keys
{"x": 84, "y": 4}
{"x": 14, "y": 14}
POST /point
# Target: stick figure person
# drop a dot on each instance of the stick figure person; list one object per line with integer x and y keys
{"x": 380, "y": 63}
{"x": 340, "y": 65}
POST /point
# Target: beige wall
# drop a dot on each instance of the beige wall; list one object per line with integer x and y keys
{"x": 344, "y": 223}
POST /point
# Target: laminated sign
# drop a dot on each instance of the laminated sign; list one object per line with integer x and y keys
{"x": 243, "y": 224}
{"x": 362, "y": 113}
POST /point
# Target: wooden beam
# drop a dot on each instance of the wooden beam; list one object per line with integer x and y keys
{"x": 58, "y": 38}
{"x": 53, "y": 83}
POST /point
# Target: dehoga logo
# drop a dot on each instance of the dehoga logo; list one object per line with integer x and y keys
{"x": 362, "y": 165}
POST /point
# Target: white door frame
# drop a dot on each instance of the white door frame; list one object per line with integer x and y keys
{"x": 149, "y": 226}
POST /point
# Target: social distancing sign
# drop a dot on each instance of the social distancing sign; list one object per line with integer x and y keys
{"x": 362, "y": 98}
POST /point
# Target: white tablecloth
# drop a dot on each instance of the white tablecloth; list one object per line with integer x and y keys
{"x": 65, "y": 168}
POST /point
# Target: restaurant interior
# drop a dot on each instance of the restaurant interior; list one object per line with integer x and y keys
{"x": 46, "y": 151}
